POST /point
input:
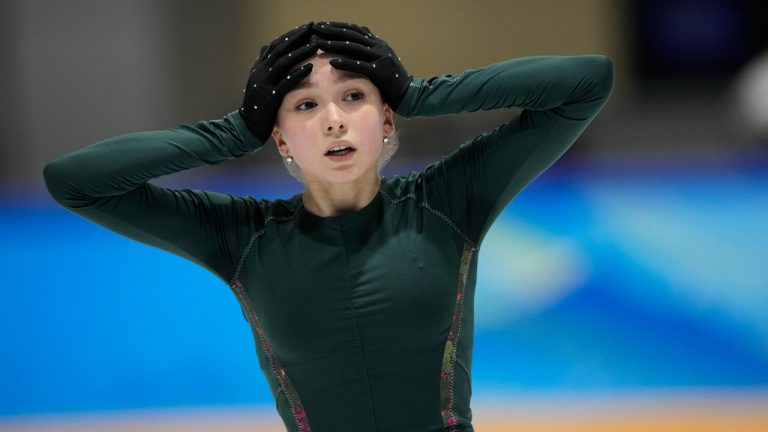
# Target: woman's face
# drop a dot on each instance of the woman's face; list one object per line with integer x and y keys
{"x": 332, "y": 124}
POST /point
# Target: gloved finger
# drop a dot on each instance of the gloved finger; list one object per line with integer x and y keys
{"x": 293, "y": 78}
{"x": 349, "y": 49}
{"x": 343, "y": 34}
{"x": 258, "y": 59}
{"x": 297, "y": 31}
{"x": 300, "y": 37}
{"x": 355, "y": 66}
{"x": 288, "y": 61}
{"x": 344, "y": 25}
{"x": 262, "y": 52}
{"x": 288, "y": 42}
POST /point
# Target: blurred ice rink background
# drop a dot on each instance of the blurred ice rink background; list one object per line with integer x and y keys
{"x": 628, "y": 284}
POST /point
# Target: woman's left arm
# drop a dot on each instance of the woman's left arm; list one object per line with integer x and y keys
{"x": 559, "y": 97}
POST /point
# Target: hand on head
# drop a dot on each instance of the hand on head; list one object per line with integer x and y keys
{"x": 273, "y": 75}
{"x": 275, "y": 72}
{"x": 367, "y": 55}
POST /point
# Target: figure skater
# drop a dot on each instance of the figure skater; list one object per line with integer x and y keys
{"x": 359, "y": 290}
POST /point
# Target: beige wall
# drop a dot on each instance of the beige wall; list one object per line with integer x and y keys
{"x": 436, "y": 37}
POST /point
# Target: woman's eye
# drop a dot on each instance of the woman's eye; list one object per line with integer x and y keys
{"x": 354, "y": 95}
{"x": 305, "y": 106}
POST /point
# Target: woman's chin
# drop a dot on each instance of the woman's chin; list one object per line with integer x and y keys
{"x": 340, "y": 174}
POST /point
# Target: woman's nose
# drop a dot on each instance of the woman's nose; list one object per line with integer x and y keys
{"x": 334, "y": 119}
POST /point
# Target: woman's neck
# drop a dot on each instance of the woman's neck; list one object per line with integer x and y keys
{"x": 334, "y": 199}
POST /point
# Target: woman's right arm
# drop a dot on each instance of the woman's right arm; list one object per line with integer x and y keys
{"x": 107, "y": 183}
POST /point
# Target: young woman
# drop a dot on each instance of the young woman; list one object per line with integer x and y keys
{"x": 359, "y": 290}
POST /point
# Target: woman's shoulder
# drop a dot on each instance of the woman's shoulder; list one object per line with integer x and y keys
{"x": 417, "y": 181}
{"x": 398, "y": 186}
{"x": 278, "y": 209}
{"x": 248, "y": 207}
{"x": 414, "y": 185}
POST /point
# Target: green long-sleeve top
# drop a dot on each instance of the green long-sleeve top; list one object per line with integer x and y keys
{"x": 363, "y": 321}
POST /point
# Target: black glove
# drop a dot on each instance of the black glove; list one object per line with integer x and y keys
{"x": 368, "y": 55}
{"x": 273, "y": 75}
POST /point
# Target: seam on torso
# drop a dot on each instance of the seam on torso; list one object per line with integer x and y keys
{"x": 463, "y": 366}
{"x": 259, "y": 233}
{"x": 435, "y": 212}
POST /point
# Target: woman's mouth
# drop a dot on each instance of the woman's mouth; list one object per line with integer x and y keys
{"x": 340, "y": 153}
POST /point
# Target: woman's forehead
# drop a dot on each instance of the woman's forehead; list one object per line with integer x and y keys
{"x": 321, "y": 57}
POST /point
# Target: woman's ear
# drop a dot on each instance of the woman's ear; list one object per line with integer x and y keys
{"x": 282, "y": 146}
{"x": 389, "y": 121}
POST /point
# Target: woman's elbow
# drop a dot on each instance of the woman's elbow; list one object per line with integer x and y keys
{"x": 601, "y": 67}
{"x": 57, "y": 176}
